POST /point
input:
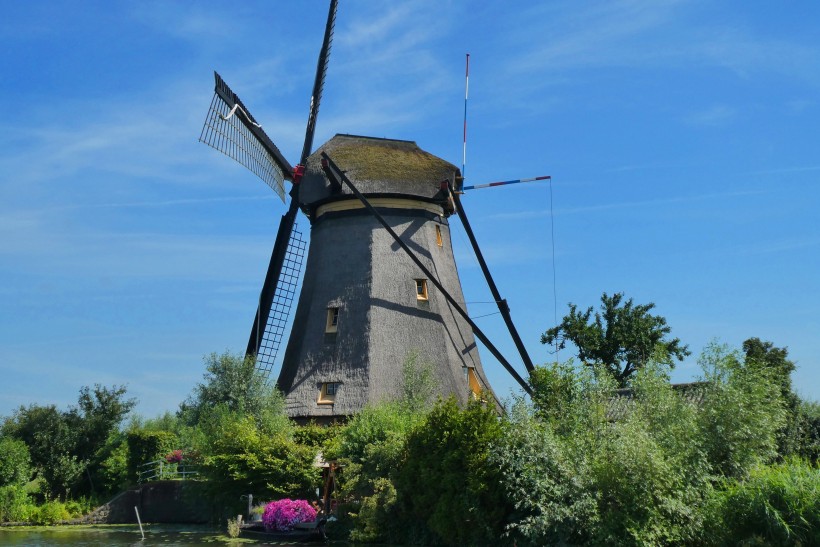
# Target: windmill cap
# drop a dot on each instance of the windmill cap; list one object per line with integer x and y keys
{"x": 376, "y": 166}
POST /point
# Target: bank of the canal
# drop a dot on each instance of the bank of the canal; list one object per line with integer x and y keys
{"x": 104, "y": 535}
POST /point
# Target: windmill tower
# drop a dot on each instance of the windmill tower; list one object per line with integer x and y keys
{"x": 365, "y": 305}
{"x": 381, "y": 281}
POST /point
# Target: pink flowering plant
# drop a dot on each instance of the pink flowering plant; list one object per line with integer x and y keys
{"x": 283, "y": 515}
{"x": 174, "y": 457}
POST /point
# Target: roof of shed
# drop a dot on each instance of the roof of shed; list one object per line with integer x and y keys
{"x": 621, "y": 402}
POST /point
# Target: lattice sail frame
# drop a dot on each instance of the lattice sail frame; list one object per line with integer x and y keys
{"x": 282, "y": 303}
{"x": 229, "y": 128}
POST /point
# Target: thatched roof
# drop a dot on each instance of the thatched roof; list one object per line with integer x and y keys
{"x": 376, "y": 166}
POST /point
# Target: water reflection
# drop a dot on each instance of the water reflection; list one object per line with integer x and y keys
{"x": 82, "y": 536}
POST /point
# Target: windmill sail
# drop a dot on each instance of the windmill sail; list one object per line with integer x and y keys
{"x": 231, "y": 129}
{"x": 275, "y": 286}
{"x": 280, "y": 305}
{"x": 319, "y": 82}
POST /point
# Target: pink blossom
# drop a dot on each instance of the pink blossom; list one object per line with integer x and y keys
{"x": 283, "y": 514}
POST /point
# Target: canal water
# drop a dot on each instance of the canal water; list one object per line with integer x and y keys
{"x": 166, "y": 536}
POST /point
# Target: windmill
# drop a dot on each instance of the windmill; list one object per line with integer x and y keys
{"x": 380, "y": 281}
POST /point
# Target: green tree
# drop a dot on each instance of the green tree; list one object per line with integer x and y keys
{"x": 758, "y": 353}
{"x": 15, "y": 462}
{"x": 792, "y": 437}
{"x": 622, "y": 337}
{"x": 98, "y": 414}
{"x": 66, "y": 446}
{"x": 232, "y": 381}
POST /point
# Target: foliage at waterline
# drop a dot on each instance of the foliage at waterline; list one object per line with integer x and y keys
{"x": 559, "y": 468}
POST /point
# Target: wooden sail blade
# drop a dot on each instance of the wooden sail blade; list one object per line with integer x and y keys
{"x": 274, "y": 282}
{"x": 275, "y": 303}
{"x": 319, "y": 81}
{"x": 231, "y": 129}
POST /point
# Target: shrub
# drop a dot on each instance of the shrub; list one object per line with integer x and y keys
{"x": 113, "y": 469}
{"x": 808, "y": 433}
{"x": 284, "y": 514}
{"x": 447, "y": 481}
{"x": 51, "y": 512}
{"x": 234, "y": 527}
{"x": 741, "y": 414}
{"x": 15, "y": 504}
{"x": 375, "y": 513}
{"x": 774, "y": 505}
{"x": 240, "y": 455}
{"x": 552, "y": 501}
{"x": 578, "y": 474}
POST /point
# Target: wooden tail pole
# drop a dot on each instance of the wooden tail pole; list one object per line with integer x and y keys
{"x": 506, "y": 182}
{"x": 334, "y": 173}
{"x": 500, "y": 302}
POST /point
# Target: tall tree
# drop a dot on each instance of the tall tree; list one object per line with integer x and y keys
{"x": 799, "y": 434}
{"x": 764, "y": 354}
{"x": 64, "y": 445}
{"x": 622, "y": 336}
{"x": 231, "y": 381}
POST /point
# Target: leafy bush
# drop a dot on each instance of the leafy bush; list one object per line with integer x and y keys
{"x": 15, "y": 504}
{"x": 234, "y": 527}
{"x": 51, "y": 512}
{"x": 808, "y": 431}
{"x": 552, "y": 501}
{"x": 447, "y": 480}
{"x": 315, "y": 435}
{"x": 741, "y": 414}
{"x": 371, "y": 446}
{"x": 774, "y": 505}
{"x": 284, "y": 514}
{"x": 240, "y": 455}
{"x": 375, "y": 513}
{"x": 577, "y": 471}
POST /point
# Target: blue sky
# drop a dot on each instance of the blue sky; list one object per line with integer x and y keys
{"x": 681, "y": 138}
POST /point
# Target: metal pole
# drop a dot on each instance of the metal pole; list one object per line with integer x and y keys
{"x": 139, "y": 521}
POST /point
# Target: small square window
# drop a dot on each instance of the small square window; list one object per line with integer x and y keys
{"x": 332, "y": 320}
{"x": 421, "y": 289}
{"x": 439, "y": 241}
{"x": 327, "y": 394}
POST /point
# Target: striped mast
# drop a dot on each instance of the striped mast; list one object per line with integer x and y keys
{"x": 503, "y": 307}
{"x": 464, "y": 147}
{"x": 506, "y": 182}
